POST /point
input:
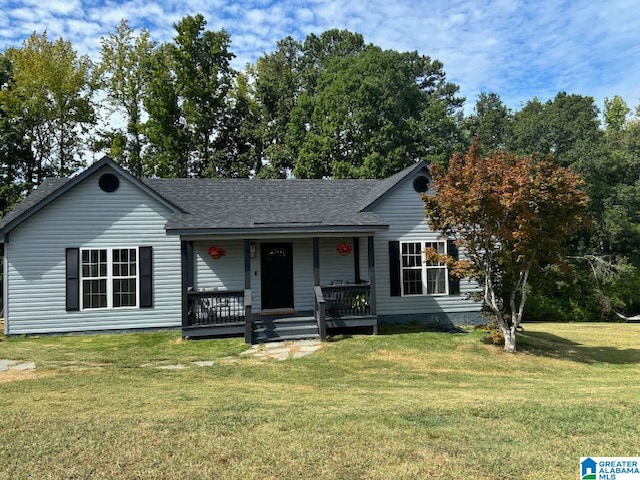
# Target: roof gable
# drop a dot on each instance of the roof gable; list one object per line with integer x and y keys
{"x": 53, "y": 188}
{"x": 391, "y": 183}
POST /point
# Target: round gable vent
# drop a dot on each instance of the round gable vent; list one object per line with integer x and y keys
{"x": 421, "y": 184}
{"x": 109, "y": 182}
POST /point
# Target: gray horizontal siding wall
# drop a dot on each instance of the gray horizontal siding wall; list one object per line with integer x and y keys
{"x": 88, "y": 217}
{"x": 227, "y": 273}
{"x": 403, "y": 209}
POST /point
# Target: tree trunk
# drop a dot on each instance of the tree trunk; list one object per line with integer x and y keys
{"x": 509, "y": 339}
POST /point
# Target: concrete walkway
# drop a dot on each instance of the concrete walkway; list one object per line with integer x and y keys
{"x": 284, "y": 350}
{"x": 266, "y": 351}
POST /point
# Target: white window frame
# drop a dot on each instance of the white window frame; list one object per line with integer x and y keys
{"x": 424, "y": 268}
{"x": 110, "y": 278}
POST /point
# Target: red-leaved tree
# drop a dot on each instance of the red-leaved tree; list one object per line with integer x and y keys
{"x": 509, "y": 214}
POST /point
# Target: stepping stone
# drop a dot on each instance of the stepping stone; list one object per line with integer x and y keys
{"x": 280, "y": 356}
{"x": 6, "y": 365}
{"x": 172, "y": 367}
{"x": 277, "y": 351}
{"x": 204, "y": 363}
{"x": 24, "y": 366}
{"x": 302, "y": 353}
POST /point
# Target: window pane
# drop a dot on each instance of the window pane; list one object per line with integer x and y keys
{"x": 124, "y": 292}
{"x": 412, "y": 282}
{"x": 124, "y": 262}
{"x": 94, "y": 293}
{"x": 92, "y": 266}
{"x": 411, "y": 255}
{"x": 436, "y": 281}
{"x": 438, "y": 247}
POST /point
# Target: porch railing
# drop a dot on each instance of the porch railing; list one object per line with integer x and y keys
{"x": 347, "y": 300}
{"x": 217, "y": 307}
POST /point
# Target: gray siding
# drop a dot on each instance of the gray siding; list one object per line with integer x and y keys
{"x": 403, "y": 209}
{"x": 227, "y": 273}
{"x": 88, "y": 217}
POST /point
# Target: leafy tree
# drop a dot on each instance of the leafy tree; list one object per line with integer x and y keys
{"x": 490, "y": 123}
{"x": 122, "y": 75}
{"x": 285, "y": 82}
{"x": 238, "y": 152}
{"x": 50, "y": 92}
{"x": 201, "y": 61}
{"x": 169, "y": 140}
{"x": 189, "y": 92}
{"x": 362, "y": 120}
{"x": 566, "y": 127}
{"x": 615, "y": 114}
{"x": 15, "y": 155}
{"x": 605, "y": 260}
{"x": 335, "y": 106}
{"x": 319, "y": 51}
{"x": 511, "y": 215}
{"x": 277, "y": 87}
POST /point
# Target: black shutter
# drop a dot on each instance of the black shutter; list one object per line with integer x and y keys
{"x": 146, "y": 277}
{"x": 394, "y": 269}
{"x": 454, "y": 282}
{"x": 73, "y": 279}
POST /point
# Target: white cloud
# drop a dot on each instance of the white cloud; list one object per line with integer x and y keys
{"x": 516, "y": 48}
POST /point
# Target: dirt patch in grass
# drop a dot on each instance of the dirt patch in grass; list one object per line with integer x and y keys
{"x": 20, "y": 375}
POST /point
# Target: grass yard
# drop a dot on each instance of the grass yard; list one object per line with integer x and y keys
{"x": 412, "y": 405}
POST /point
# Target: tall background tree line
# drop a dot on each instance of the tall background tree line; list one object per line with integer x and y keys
{"x": 331, "y": 105}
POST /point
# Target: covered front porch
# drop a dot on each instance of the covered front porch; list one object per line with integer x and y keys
{"x": 277, "y": 287}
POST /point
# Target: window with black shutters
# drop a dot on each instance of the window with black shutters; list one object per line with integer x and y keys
{"x": 420, "y": 276}
{"x": 109, "y": 277}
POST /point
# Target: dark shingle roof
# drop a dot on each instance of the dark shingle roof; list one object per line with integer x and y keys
{"x": 47, "y": 187}
{"x": 243, "y": 204}
{"x": 255, "y": 204}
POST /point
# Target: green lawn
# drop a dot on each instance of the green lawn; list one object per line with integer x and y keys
{"x": 414, "y": 405}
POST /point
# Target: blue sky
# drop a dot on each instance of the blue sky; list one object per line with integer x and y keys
{"x": 519, "y": 49}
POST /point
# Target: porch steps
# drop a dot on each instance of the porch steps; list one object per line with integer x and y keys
{"x": 268, "y": 329}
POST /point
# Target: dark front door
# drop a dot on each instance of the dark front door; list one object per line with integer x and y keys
{"x": 277, "y": 275}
